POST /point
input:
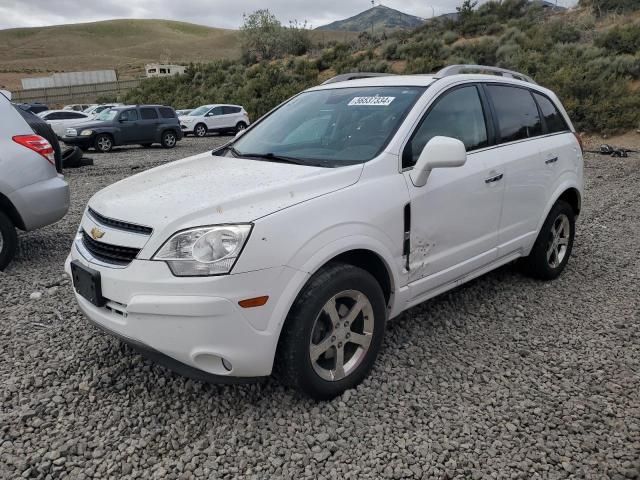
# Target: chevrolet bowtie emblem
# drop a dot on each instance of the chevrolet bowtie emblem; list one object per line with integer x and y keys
{"x": 96, "y": 233}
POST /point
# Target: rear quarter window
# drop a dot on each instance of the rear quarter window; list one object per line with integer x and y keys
{"x": 516, "y": 112}
{"x": 553, "y": 119}
{"x": 166, "y": 112}
{"x": 148, "y": 113}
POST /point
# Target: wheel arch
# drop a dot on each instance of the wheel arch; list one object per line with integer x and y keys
{"x": 567, "y": 190}
{"x": 10, "y": 210}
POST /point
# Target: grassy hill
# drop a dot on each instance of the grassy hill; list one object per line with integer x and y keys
{"x": 124, "y": 45}
{"x": 376, "y": 18}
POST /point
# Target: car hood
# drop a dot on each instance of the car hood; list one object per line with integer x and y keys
{"x": 210, "y": 190}
{"x": 89, "y": 123}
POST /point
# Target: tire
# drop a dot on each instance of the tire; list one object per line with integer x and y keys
{"x": 8, "y": 241}
{"x": 240, "y": 126}
{"x": 103, "y": 143}
{"x": 552, "y": 249}
{"x": 169, "y": 139}
{"x": 308, "y": 325}
{"x": 200, "y": 130}
{"x": 146, "y": 145}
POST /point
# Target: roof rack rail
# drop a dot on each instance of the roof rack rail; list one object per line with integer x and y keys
{"x": 354, "y": 76}
{"x": 502, "y": 72}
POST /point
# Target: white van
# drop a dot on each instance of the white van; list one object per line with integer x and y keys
{"x": 288, "y": 249}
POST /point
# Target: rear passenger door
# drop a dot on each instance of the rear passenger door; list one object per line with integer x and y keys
{"x": 231, "y": 116}
{"x": 149, "y": 123}
{"x": 527, "y": 178}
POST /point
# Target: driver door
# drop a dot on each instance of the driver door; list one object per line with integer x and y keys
{"x": 129, "y": 126}
{"x": 455, "y": 216}
{"x": 214, "y": 118}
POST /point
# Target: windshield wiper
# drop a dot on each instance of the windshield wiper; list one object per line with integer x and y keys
{"x": 271, "y": 157}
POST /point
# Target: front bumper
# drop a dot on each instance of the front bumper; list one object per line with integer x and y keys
{"x": 42, "y": 203}
{"x": 186, "y": 129}
{"x": 78, "y": 141}
{"x": 191, "y": 323}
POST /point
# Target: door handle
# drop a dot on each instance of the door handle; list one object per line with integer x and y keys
{"x": 549, "y": 161}
{"x": 495, "y": 178}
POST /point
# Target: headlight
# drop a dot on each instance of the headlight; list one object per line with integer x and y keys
{"x": 86, "y": 133}
{"x": 204, "y": 251}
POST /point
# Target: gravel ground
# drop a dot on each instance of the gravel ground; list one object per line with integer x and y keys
{"x": 504, "y": 377}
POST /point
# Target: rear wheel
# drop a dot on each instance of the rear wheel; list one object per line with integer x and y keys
{"x": 8, "y": 241}
{"x": 551, "y": 252}
{"x": 103, "y": 143}
{"x": 333, "y": 332}
{"x": 241, "y": 126}
{"x": 169, "y": 139}
{"x": 200, "y": 130}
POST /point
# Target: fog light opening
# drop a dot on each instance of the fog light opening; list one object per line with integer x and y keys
{"x": 227, "y": 364}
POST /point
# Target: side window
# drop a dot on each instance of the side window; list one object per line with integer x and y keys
{"x": 216, "y": 111}
{"x": 148, "y": 113}
{"x": 53, "y": 116}
{"x": 166, "y": 112}
{"x": 456, "y": 114}
{"x": 229, "y": 110}
{"x": 552, "y": 117}
{"x": 517, "y": 113}
{"x": 72, "y": 116}
{"x": 129, "y": 116}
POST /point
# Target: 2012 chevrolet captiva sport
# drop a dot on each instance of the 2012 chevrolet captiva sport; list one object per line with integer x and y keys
{"x": 287, "y": 250}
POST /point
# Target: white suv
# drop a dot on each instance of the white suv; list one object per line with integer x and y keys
{"x": 288, "y": 249}
{"x": 214, "y": 118}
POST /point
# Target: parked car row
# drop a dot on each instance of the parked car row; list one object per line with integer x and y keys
{"x": 105, "y": 126}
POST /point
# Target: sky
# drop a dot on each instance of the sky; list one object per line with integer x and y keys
{"x": 215, "y": 13}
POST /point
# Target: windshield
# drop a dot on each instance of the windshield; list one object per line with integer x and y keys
{"x": 198, "y": 112}
{"x": 107, "y": 115}
{"x": 331, "y": 127}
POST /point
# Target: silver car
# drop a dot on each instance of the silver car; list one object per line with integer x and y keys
{"x": 33, "y": 192}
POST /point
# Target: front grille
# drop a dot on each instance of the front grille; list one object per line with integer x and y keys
{"x": 107, "y": 253}
{"x": 119, "y": 225}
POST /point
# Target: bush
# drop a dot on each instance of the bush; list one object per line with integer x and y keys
{"x": 624, "y": 39}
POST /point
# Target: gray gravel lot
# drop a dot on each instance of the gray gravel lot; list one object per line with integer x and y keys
{"x": 505, "y": 377}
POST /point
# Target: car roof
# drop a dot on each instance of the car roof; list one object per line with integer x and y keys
{"x": 61, "y": 110}
{"x": 425, "y": 81}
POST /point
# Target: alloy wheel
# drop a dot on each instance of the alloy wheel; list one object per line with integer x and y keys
{"x": 104, "y": 144}
{"x": 341, "y": 335}
{"x": 170, "y": 140}
{"x": 200, "y": 131}
{"x": 1, "y": 242}
{"x": 558, "y": 241}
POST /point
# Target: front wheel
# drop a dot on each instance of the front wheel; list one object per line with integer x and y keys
{"x": 552, "y": 249}
{"x": 333, "y": 332}
{"x": 200, "y": 130}
{"x": 8, "y": 241}
{"x": 103, "y": 143}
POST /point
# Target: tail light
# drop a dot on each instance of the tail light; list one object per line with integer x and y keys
{"x": 38, "y": 145}
{"x": 579, "y": 139}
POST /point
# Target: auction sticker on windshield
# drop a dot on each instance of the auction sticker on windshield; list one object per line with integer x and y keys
{"x": 376, "y": 101}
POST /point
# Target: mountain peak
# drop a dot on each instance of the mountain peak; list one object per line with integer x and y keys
{"x": 378, "y": 17}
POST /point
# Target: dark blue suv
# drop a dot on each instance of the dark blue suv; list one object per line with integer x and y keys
{"x": 127, "y": 125}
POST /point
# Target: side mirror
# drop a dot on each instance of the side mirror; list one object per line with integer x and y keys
{"x": 121, "y": 120}
{"x": 440, "y": 152}
{"x": 6, "y": 93}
